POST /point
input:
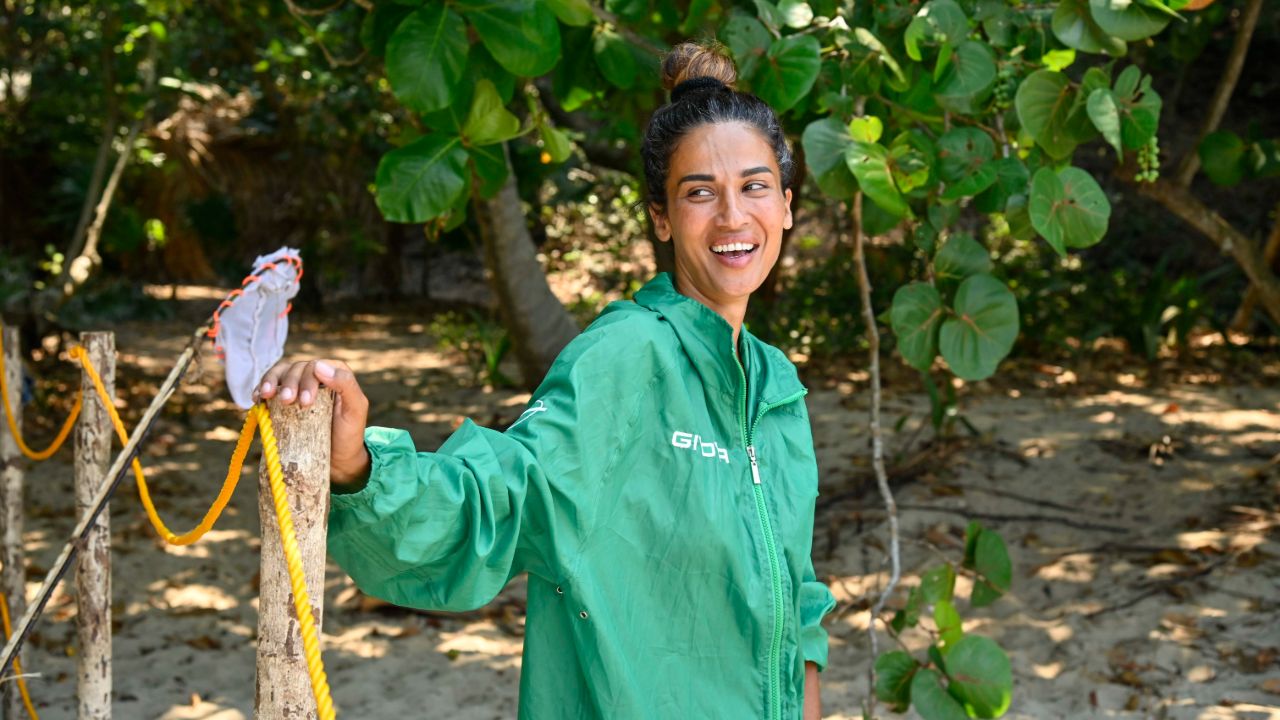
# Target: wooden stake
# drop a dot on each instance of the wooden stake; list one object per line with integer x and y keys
{"x": 93, "y": 563}
{"x": 12, "y": 566}
{"x": 283, "y": 686}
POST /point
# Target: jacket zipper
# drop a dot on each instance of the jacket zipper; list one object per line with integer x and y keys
{"x": 775, "y": 573}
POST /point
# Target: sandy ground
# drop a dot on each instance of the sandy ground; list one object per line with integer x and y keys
{"x": 1142, "y": 524}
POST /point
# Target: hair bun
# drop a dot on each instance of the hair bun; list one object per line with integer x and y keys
{"x": 691, "y": 61}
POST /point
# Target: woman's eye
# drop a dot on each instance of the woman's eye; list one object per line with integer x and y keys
{"x": 699, "y": 192}
{"x": 756, "y": 186}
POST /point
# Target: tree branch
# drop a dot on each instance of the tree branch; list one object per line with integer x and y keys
{"x": 877, "y": 444}
{"x": 1244, "y": 316}
{"x": 1179, "y": 201}
{"x": 1222, "y": 96}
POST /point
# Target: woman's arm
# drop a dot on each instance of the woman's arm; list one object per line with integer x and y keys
{"x": 812, "y": 693}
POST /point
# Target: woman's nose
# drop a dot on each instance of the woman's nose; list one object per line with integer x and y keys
{"x": 731, "y": 214}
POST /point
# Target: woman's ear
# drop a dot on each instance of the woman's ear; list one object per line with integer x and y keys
{"x": 787, "y": 219}
{"x": 661, "y": 224}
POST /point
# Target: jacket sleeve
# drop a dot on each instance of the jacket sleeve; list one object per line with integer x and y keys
{"x": 816, "y": 601}
{"x": 446, "y": 530}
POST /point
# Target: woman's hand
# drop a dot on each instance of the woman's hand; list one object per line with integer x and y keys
{"x": 299, "y": 381}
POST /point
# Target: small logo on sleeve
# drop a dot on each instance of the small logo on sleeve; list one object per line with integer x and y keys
{"x": 689, "y": 441}
{"x": 533, "y": 409}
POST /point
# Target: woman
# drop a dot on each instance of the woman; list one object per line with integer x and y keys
{"x": 659, "y": 489}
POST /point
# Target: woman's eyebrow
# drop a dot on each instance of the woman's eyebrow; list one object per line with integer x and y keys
{"x": 700, "y": 177}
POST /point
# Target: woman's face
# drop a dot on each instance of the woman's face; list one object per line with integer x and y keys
{"x": 726, "y": 210}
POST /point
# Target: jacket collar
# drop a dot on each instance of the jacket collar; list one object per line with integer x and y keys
{"x": 707, "y": 339}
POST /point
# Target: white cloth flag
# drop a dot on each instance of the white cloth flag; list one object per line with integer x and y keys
{"x": 253, "y": 322}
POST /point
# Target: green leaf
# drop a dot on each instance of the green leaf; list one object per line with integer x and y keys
{"x": 1139, "y": 106}
{"x": 555, "y": 143}
{"x": 489, "y": 122}
{"x": 1127, "y": 19}
{"x": 523, "y": 36}
{"x": 1045, "y": 102}
{"x": 1059, "y": 60}
{"x": 1068, "y": 208}
{"x": 981, "y": 333}
{"x": 867, "y": 39}
{"x": 969, "y": 81}
{"x": 378, "y": 25}
{"x": 915, "y": 316}
{"x": 931, "y": 701}
{"x": 426, "y": 57}
{"x": 938, "y": 584}
{"x": 421, "y": 180}
{"x": 746, "y": 38}
{"x": 614, "y": 58}
{"x": 869, "y": 163}
{"x": 866, "y": 129}
{"x": 939, "y": 21}
{"x": 795, "y": 13}
{"x": 963, "y": 156}
{"x": 894, "y": 671}
{"x": 489, "y": 164}
{"x": 788, "y": 71}
{"x": 575, "y": 13}
{"x": 1075, "y": 28}
{"x": 1105, "y": 114}
{"x": 1012, "y": 178}
{"x": 981, "y": 678}
{"x": 950, "y": 626}
{"x": 769, "y": 14}
{"x": 961, "y": 257}
{"x": 971, "y": 533}
{"x": 824, "y": 143}
{"x": 993, "y": 568}
{"x": 1222, "y": 156}
{"x": 909, "y": 164}
{"x": 480, "y": 66}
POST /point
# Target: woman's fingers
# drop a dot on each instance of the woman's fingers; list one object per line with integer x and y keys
{"x": 270, "y": 382}
{"x": 289, "y": 389}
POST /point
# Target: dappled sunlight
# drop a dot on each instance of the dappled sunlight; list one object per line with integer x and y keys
{"x": 202, "y": 710}
{"x": 193, "y": 599}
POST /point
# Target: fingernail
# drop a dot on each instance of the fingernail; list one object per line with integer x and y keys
{"x": 286, "y": 394}
{"x": 266, "y": 387}
{"x": 324, "y": 370}
{"x": 305, "y": 397}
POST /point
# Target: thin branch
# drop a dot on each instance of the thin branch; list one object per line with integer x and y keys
{"x": 300, "y": 14}
{"x": 297, "y": 10}
{"x": 1222, "y": 96}
{"x": 877, "y": 444}
{"x": 626, "y": 32}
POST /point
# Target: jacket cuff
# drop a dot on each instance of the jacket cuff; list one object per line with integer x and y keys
{"x": 383, "y": 444}
{"x": 816, "y": 601}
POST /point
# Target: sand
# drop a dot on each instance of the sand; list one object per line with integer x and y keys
{"x": 1169, "y": 611}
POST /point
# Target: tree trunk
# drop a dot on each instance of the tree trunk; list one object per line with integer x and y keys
{"x": 538, "y": 324}
{"x": 93, "y": 561}
{"x": 283, "y": 687}
{"x": 1244, "y": 315}
{"x": 1246, "y": 253}
{"x": 12, "y": 564}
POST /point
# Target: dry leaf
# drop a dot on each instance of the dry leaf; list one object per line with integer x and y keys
{"x": 1271, "y": 685}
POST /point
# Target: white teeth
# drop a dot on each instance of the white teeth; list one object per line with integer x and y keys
{"x": 732, "y": 247}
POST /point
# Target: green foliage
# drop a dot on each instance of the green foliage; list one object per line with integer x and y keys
{"x": 962, "y": 676}
{"x": 481, "y": 340}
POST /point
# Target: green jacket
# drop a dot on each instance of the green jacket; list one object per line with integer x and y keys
{"x": 669, "y": 571}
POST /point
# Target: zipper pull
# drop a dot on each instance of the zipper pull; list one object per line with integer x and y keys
{"x": 755, "y": 469}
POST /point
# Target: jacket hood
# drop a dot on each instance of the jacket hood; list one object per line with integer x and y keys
{"x": 707, "y": 338}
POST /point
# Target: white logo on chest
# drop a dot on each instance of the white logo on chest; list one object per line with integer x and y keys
{"x": 687, "y": 441}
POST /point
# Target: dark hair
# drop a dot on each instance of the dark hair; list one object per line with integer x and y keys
{"x": 704, "y": 103}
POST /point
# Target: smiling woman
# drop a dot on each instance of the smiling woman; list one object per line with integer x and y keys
{"x": 659, "y": 490}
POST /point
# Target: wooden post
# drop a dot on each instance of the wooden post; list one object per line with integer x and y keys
{"x": 93, "y": 560}
{"x": 283, "y": 686}
{"x": 12, "y": 564}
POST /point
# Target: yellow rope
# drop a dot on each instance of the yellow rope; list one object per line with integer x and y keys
{"x": 17, "y": 665}
{"x": 48, "y": 452}
{"x": 293, "y": 560}
{"x": 257, "y": 419}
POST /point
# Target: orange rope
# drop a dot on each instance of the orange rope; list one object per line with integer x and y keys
{"x": 17, "y": 664}
{"x": 16, "y": 432}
